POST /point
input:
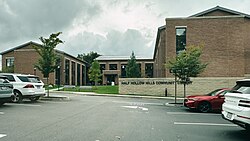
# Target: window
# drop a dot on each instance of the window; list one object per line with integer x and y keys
{"x": 73, "y": 73}
{"x": 9, "y": 61}
{"x": 24, "y": 78}
{"x": 139, "y": 65}
{"x": 123, "y": 70}
{"x": 149, "y": 70}
{"x": 83, "y": 75}
{"x": 10, "y": 78}
{"x": 34, "y": 79}
{"x": 102, "y": 67}
{"x": 78, "y": 74}
{"x": 66, "y": 72}
{"x": 180, "y": 39}
{"x": 112, "y": 66}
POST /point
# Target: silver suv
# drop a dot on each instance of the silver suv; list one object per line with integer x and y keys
{"x": 25, "y": 86}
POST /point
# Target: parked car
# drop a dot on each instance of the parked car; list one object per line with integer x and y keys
{"x": 236, "y": 107}
{"x": 6, "y": 90}
{"x": 25, "y": 86}
{"x": 208, "y": 102}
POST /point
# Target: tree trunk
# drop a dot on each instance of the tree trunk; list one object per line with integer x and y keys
{"x": 47, "y": 86}
{"x": 184, "y": 89}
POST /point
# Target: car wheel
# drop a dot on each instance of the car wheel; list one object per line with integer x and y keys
{"x": 17, "y": 97}
{"x": 204, "y": 107}
{"x": 247, "y": 127}
{"x": 34, "y": 98}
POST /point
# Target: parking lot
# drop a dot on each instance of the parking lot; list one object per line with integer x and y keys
{"x": 97, "y": 118}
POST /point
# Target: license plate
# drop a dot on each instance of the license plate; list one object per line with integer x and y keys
{"x": 229, "y": 115}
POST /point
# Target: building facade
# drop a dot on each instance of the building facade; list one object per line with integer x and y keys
{"x": 224, "y": 33}
{"x": 114, "y": 67}
{"x": 70, "y": 70}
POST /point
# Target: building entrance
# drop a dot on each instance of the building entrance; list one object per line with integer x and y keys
{"x": 111, "y": 78}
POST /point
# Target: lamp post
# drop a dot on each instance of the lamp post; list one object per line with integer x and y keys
{"x": 34, "y": 70}
{"x": 58, "y": 77}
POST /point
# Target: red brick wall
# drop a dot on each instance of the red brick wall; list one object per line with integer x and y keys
{"x": 224, "y": 41}
{"x": 160, "y": 58}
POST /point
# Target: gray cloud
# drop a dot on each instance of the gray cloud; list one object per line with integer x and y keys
{"x": 114, "y": 43}
{"x": 31, "y": 19}
{"x": 109, "y": 27}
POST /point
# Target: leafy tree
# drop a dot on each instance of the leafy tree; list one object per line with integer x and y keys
{"x": 187, "y": 64}
{"x": 132, "y": 69}
{"x": 47, "y": 61}
{"x": 8, "y": 69}
{"x": 89, "y": 57}
{"x": 95, "y": 72}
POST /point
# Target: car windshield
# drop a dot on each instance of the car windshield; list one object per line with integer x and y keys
{"x": 215, "y": 92}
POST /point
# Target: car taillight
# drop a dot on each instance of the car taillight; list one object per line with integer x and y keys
{"x": 244, "y": 103}
{"x": 29, "y": 86}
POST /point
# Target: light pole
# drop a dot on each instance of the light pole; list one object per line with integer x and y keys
{"x": 34, "y": 70}
{"x": 58, "y": 77}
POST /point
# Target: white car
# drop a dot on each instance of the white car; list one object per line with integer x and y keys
{"x": 25, "y": 86}
{"x": 6, "y": 90}
{"x": 236, "y": 107}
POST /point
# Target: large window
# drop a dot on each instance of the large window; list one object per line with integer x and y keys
{"x": 102, "y": 67}
{"x": 112, "y": 66}
{"x": 78, "y": 74}
{"x": 73, "y": 73}
{"x": 83, "y": 75}
{"x": 123, "y": 70}
{"x": 149, "y": 70}
{"x": 9, "y": 61}
{"x": 180, "y": 39}
{"x": 66, "y": 72}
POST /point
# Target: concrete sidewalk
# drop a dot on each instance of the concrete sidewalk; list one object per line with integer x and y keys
{"x": 110, "y": 95}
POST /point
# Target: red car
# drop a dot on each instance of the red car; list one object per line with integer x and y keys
{"x": 205, "y": 103}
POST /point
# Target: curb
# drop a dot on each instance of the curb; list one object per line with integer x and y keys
{"x": 115, "y": 95}
{"x": 55, "y": 98}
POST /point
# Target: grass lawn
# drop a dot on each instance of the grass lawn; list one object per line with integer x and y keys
{"x": 97, "y": 89}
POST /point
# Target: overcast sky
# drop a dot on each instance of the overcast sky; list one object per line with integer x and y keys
{"x": 109, "y": 27}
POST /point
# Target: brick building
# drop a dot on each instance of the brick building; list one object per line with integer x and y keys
{"x": 114, "y": 67}
{"x": 223, "y": 32}
{"x": 70, "y": 71}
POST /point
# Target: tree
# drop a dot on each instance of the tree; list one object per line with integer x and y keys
{"x": 89, "y": 57}
{"x": 132, "y": 69}
{"x": 187, "y": 64}
{"x": 95, "y": 72}
{"x": 47, "y": 61}
{"x": 9, "y": 69}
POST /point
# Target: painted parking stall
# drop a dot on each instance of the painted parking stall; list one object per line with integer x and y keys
{"x": 2, "y": 135}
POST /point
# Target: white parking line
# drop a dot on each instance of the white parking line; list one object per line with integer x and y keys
{"x": 2, "y": 135}
{"x": 1, "y": 113}
{"x": 138, "y": 103}
{"x": 184, "y": 113}
{"x": 205, "y": 124}
{"x": 136, "y": 107}
{"x": 28, "y": 105}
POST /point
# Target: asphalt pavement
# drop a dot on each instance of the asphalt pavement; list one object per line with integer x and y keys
{"x": 104, "y": 118}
